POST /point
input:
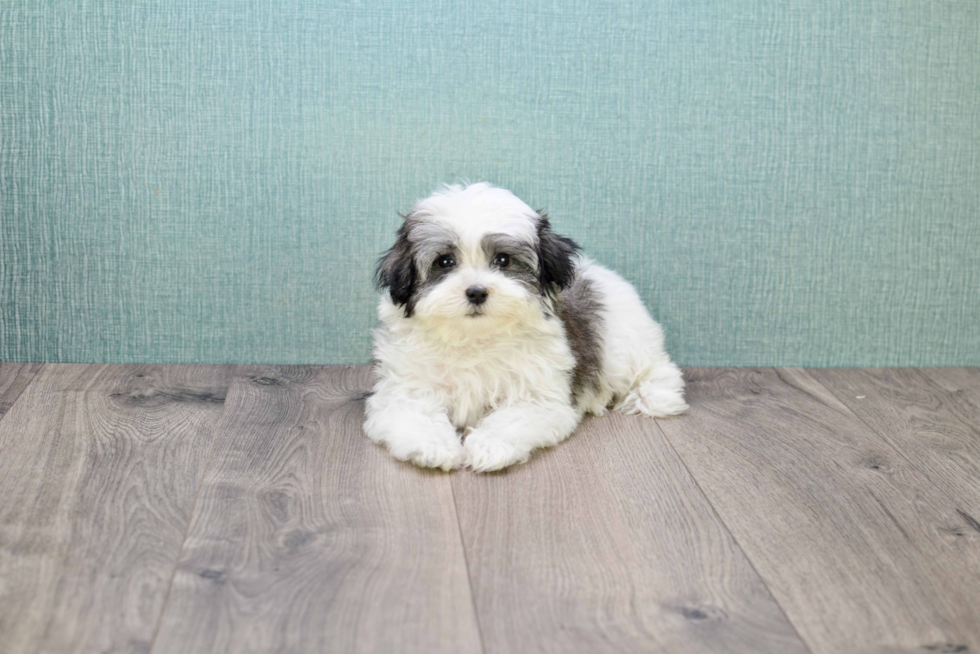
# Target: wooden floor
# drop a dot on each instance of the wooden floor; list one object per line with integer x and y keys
{"x": 180, "y": 509}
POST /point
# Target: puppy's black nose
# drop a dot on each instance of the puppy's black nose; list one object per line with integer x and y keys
{"x": 476, "y": 295}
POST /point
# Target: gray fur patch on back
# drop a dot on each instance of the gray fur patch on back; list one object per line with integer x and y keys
{"x": 579, "y": 309}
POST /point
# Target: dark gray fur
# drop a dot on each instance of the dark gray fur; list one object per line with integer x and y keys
{"x": 407, "y": 270}
{"x": 556, "y": 257}
{"x": 523, "y": 258}
{"x": 579, "y": 308}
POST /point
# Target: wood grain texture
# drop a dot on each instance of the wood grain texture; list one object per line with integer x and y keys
{"x": 927, "y": 416}
{"x": 309, "y": 538}
{"x": 963, "y": 382}
{"x": 858, "y": 547}
{"x": 99, "y": 467}
{"x": 14, "y": 378}
{"x": 605, "y": 544}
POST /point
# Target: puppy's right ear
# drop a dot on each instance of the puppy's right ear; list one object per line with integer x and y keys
{"x": 396, "y": 271}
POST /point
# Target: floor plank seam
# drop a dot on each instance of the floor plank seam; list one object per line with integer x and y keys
{"x": 734, "y": 539}
{"x": 190, "y": 520}
{"x": 884, "y": 439}
{"x": 466, "y": 562}
{"x": 22, "y": 391}
{"x": 16, "y": 399}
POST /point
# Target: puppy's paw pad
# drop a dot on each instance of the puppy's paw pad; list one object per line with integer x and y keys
{"x": 489, "y": 454}
{"x": 445, "y": 455}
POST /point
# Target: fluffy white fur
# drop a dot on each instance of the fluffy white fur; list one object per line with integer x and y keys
{"x": 485, "y": 386}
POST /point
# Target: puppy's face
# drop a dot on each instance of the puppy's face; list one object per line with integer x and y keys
{"x": 475, "y": 258}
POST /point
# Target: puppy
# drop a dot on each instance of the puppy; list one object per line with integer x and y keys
{"x": 496, "y": 336}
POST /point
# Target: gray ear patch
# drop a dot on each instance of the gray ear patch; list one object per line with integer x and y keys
{"x": 396, "y": 271}
{"x": 405, "y": 269}
{"x": 556, "y": 256}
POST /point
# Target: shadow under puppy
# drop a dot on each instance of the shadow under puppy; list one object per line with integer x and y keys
{"x": 496, "y": 336}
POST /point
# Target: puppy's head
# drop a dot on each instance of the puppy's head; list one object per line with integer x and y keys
{"x": 477, "y": 257}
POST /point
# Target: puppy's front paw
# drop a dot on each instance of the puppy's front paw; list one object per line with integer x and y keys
{"x": 485, "y": 452}
{"x": 445, "y": 455}
{"x": 429, "y": 452}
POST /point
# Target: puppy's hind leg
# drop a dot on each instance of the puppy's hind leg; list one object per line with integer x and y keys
{"x": 636, "y": 367}
{"x": 657, "y": 392}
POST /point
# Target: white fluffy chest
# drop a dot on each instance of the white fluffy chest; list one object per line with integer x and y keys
{"x": 471, "y": 387}
{"x": 468, "y": 381}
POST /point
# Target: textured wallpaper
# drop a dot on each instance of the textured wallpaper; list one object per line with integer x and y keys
{"x": 786, "y": 182}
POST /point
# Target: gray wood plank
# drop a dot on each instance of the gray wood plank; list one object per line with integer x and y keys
{"x": 14, "y": 378}
{"x": 99, "y": 467}
{"x": 854, "y": 543}
{"x": 928, "y": 417}
{"x": 307, "y": 537}
{"x": 961, "y": 382}
{"x": 605, "y": 544}
{"x": 962, "y": 386}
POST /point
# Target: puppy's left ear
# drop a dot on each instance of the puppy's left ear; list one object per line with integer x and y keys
{"x": 556, "y": 267}
{"x": 396, "y": 271}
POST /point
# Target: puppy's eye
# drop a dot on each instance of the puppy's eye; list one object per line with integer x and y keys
{"x": 446, "y": 261}
{"x": 501, "y": 260}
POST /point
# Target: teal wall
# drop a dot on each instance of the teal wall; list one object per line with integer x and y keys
{"x": 789, "y": 182}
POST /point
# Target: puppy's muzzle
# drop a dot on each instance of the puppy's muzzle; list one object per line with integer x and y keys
{"x": 477, "y": 295}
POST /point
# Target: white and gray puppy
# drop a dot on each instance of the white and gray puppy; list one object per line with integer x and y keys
{"x": 496, "y": 336}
